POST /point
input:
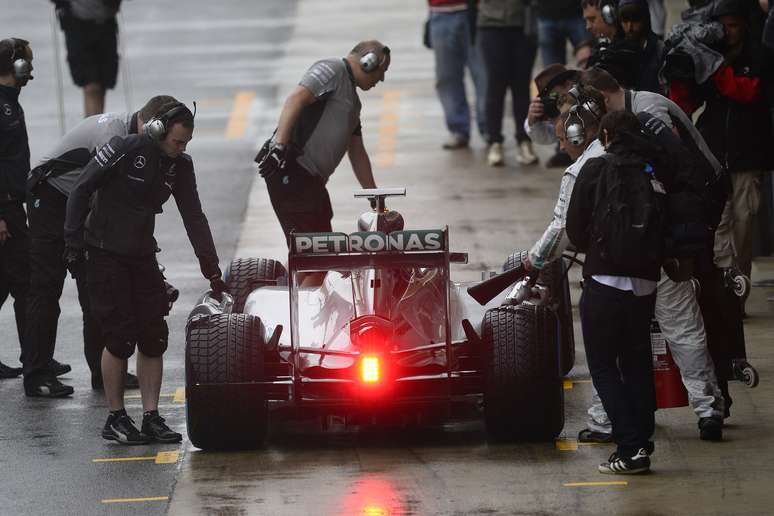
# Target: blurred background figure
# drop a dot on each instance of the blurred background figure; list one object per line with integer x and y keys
{"x": 508, "y": 43}
{"x": 91, "y": 36}
{"x": 559, "y": 21}
{"x": 450, "y": 33}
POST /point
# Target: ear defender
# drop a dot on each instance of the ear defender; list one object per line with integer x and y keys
{"x": 22, "y": 69}
{"x": 609, "y": 12}
{"x": 575, "y": 128}
{"x": 370, "y": 60}
{"x": 156, "y": 128}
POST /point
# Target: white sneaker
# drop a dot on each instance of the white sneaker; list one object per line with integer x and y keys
{"x": 494, "y": 157}
{"x": 455, "y": 141}
{"x": 525, "y": 155}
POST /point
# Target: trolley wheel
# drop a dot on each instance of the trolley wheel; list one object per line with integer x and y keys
{"x": 746, "y": 373}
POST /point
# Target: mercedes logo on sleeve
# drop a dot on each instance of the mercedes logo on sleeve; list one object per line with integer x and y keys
{"x": 139, "y": 162}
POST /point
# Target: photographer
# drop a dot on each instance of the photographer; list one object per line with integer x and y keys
{"x": 552, "y": 83}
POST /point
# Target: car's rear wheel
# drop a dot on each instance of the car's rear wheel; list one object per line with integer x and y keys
{"x": 555, "y": 278}
{"x": 524, "y": 395}
{"x": 244, "y": 275}
{"x": 225, "y": 402}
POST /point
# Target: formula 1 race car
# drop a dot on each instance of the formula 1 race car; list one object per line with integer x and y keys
{"x": 384, "y": 335}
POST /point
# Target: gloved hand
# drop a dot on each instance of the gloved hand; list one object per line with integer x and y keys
{"x": 218, "y": 287}
{"x": 272, "y": 158}
{"x": 73, "y": 258}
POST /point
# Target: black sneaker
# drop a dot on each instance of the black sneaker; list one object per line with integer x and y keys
{"x": 617, "y": 465}
{"x": 156, "y": 429}
{"x": 711, "y": 429}
{"x": 46, "y": 387}
{"x": 57, "y": 368}
{"x": 590, "y": 436}
{"x": 121, "y": 428}
{"x": 9, "y": 372}
{"x": 131, "y": 382}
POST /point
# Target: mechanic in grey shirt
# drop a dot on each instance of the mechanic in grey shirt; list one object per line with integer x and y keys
{"x": 50, "y": 184}
{"x": 319, "y": 123}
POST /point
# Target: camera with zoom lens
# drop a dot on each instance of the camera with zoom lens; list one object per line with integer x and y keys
{"x": 550, "y": 106}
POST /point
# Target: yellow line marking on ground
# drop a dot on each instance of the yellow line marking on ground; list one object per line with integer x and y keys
{"x": 123, "y": 459}
{"x": 566, "y": 444}
{"x": 134, "y": 500}
{"x": 388, "y": 129}
{"x": 572, "y": 444}
{"x": 237, "y": 122}
{"x": 179, "y": 395}
{"x": 597, "y": 484}
{"x": 567, "y": 384}
{"x": 167, "y": 457}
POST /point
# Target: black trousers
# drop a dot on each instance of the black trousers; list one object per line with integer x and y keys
{"x": 509, "y": 56}
{"x": 616, "y": 335}
{"x": 300, "y": 200}
{"x": 722, "y": 313}
{"x": 14, "y": 267}
{"x": 47, "y": 270}
{"x": 129, "y": 299}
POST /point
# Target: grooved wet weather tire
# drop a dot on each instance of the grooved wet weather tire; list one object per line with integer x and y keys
{"x": 246, "y": 274}
{"x": 524, "y": 395}
{"x": 225, "y": 403}
{"x": 554, "y": 277}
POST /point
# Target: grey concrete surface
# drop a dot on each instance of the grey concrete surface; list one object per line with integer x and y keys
{"x": 215, "y": 52}
{"x": 194, "y": 50}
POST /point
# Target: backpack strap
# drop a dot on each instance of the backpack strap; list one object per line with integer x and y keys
{"x": 628, "y": 100}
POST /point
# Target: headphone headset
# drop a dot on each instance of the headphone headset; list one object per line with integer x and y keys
{"x": 370, "y": 60}
{"x": 574, "y": 126}
{"x": 609, "y": 11}
{"x": 156, "y": 128}
{"x": 22, "y": 69}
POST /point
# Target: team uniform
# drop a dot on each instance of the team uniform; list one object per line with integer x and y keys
{"x": 320, "y": 140}
{"x": 52, "y": 182}
{"x": 14, "y": 166}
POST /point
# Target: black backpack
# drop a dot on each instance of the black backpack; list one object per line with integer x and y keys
{"x": 630, "y": 214}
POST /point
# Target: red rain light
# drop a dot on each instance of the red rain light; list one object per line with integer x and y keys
{"x": 369, "y": 369}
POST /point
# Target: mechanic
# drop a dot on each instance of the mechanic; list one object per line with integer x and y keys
{"x": 580, "y": 148}
{"x": 618, "y": 299}
{"x": 552, "y": 82}
{"x": 134, "y": 176}
{"x": 50, "y": 183}
{"x": 319, "y": 123}
{"x": 15, "y": 72}
{"x": 91, "y": 36}
{"x": 720, "y": 308}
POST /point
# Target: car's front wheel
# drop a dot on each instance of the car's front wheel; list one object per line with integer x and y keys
{"x": 524, "y": 394}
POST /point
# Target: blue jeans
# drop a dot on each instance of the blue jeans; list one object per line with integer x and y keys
{"x": 450, "y": 36}
{"x": 553, "y": 36}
